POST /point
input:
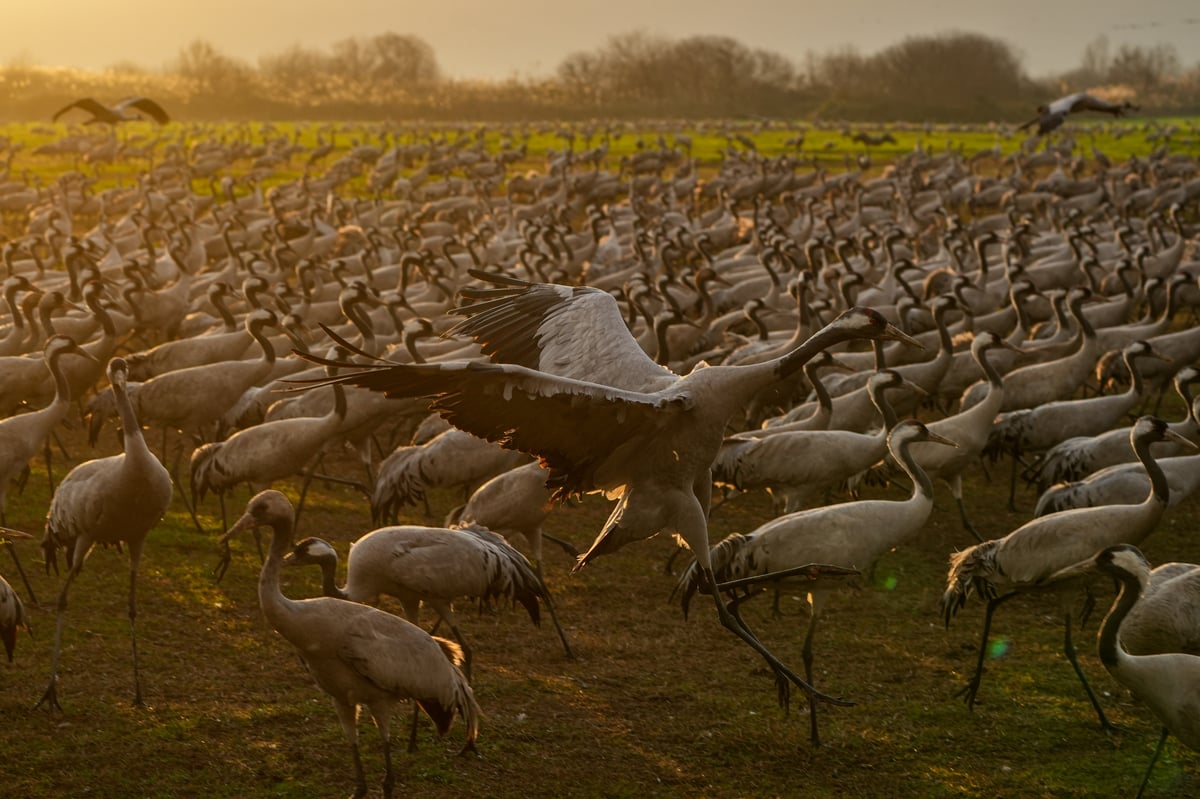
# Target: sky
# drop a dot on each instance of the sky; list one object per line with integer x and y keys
{"x": 528, "y": 38}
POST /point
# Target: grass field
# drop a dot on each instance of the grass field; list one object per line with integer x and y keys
{"x": 653, "y": 706}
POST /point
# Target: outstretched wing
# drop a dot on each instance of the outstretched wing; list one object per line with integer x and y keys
{"x": 147, "y": 107}
{"x": 1030, "y": 123}
{"x": 99, "y": 112}
{"x": 570, "y": 331}
{"x": 1086, "y": 102}
{"x": 574, "y": 426}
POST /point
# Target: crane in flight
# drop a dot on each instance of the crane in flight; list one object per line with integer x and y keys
{"x": 127, "y": 110}
{"x": 1055, "y": 114}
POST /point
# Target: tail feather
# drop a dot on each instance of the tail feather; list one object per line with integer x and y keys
{"x": 203, "y": 459}
{"x": 970, "y": 571}
{"x": 726, "y": 565}
{"x": 511, "y": 575}
{"x": 461, "y": 699}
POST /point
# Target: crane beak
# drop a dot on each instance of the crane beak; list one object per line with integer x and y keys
{"x": 812, "y": 572}
{"x": 246, "y": 522}
{"x": 1180, "y": 439}
{"x": 893, "y": 333}
{"x": 840, "y": 365}
{"x": 934, "y": 437}
{"x": 913, "y": 387}
{"x": 1080, "y": 569}
{"x": 12, "y": 535}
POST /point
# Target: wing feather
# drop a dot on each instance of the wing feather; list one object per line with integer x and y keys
{"x": 574, "y": 426}
{"x": 571, "y": 331}
{"x": 148, "y": 107}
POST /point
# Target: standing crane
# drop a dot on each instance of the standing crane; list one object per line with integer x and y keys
{"x": 1026, "y": 558}
{"x": 431, "y": 565}
{"x": 113, "y": 500}
{"x": 23, "y": 435}
{"x": 572, "y": 386}
{"x": 262, "y": 454}
{"x": 1168, "y": 682}
{"x": 851, "y": 535}
{"x": 358, "y": 654}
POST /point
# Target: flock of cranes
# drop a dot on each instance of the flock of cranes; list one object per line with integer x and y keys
{"x": 605, "y": 329}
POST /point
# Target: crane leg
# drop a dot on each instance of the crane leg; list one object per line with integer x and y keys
{"x": 956, "y": 490}
{"x": 966, "y": 522}
{"x": 1012, "y": 484}
{"x": 784, "y": 677}
{"x": 50, "y": 697}
{"x": 412, "y": 728}
{"x": 186, "y": 503}
{"x": 304, "y": 492}
{"x": 389, "y": 778}
{"x": 1069, "y": 651}
{"x": 554, "y": 615}
{"x": 49, "y": 471}
{"x": 137, "y": 681}
{"x": 808, "y": 674}
{"x": 12, "y": 550}
{"x": 1157, "y": 751}
{"x": 669, "y": 566}
{"x": 566, "y": 545}
{"x": 969, "y": 691}
{"x": 360, "y": 777}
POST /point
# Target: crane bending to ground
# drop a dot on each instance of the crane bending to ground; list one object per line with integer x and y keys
{"x": 569, "y": 384}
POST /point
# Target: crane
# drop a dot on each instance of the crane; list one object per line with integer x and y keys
{"x": 1023, "y": 560}
{"x": 1168, "y": 682}
{"x": 112, "y": 500}
{"x": 358, "y": 654}
{"x": 851, "y": 535}
{"x": 572, "y": 387}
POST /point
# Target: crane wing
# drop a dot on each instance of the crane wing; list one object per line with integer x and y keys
{"x": 101, "y": 113}
{"x": 1065, "y": 105}
{"x": 574, "y": 426}
{"x": 1086, "y": 102}
{"x": 148, "y": 107}
{"x": 394, "y": 654}
{"x": 570, "y": 331}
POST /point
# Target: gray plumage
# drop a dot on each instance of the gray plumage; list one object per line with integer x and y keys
{"x": 360, "y": 655}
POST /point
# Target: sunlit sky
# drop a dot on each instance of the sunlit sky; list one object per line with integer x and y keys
{"x": 527, "y": 38}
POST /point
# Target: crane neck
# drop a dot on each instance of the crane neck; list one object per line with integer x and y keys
{"x": 62, "y": 386}
{"x": 131, "y": 430}
{"x": 811, "y": 371}
{"x": 994, "y": 378}
{"x": 270, "y": 596}
{"x": 1159, "y": 488}
{"x": 329, "y": 586}
{"x": 1109, "y": 647}
{"x": 922, "y": 485}
{"x": 268, "y": 351}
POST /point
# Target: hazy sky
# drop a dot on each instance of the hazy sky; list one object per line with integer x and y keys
{"x": 530, "y": 37}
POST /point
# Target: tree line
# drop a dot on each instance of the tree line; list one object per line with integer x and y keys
{"x": 944, "y": 77}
